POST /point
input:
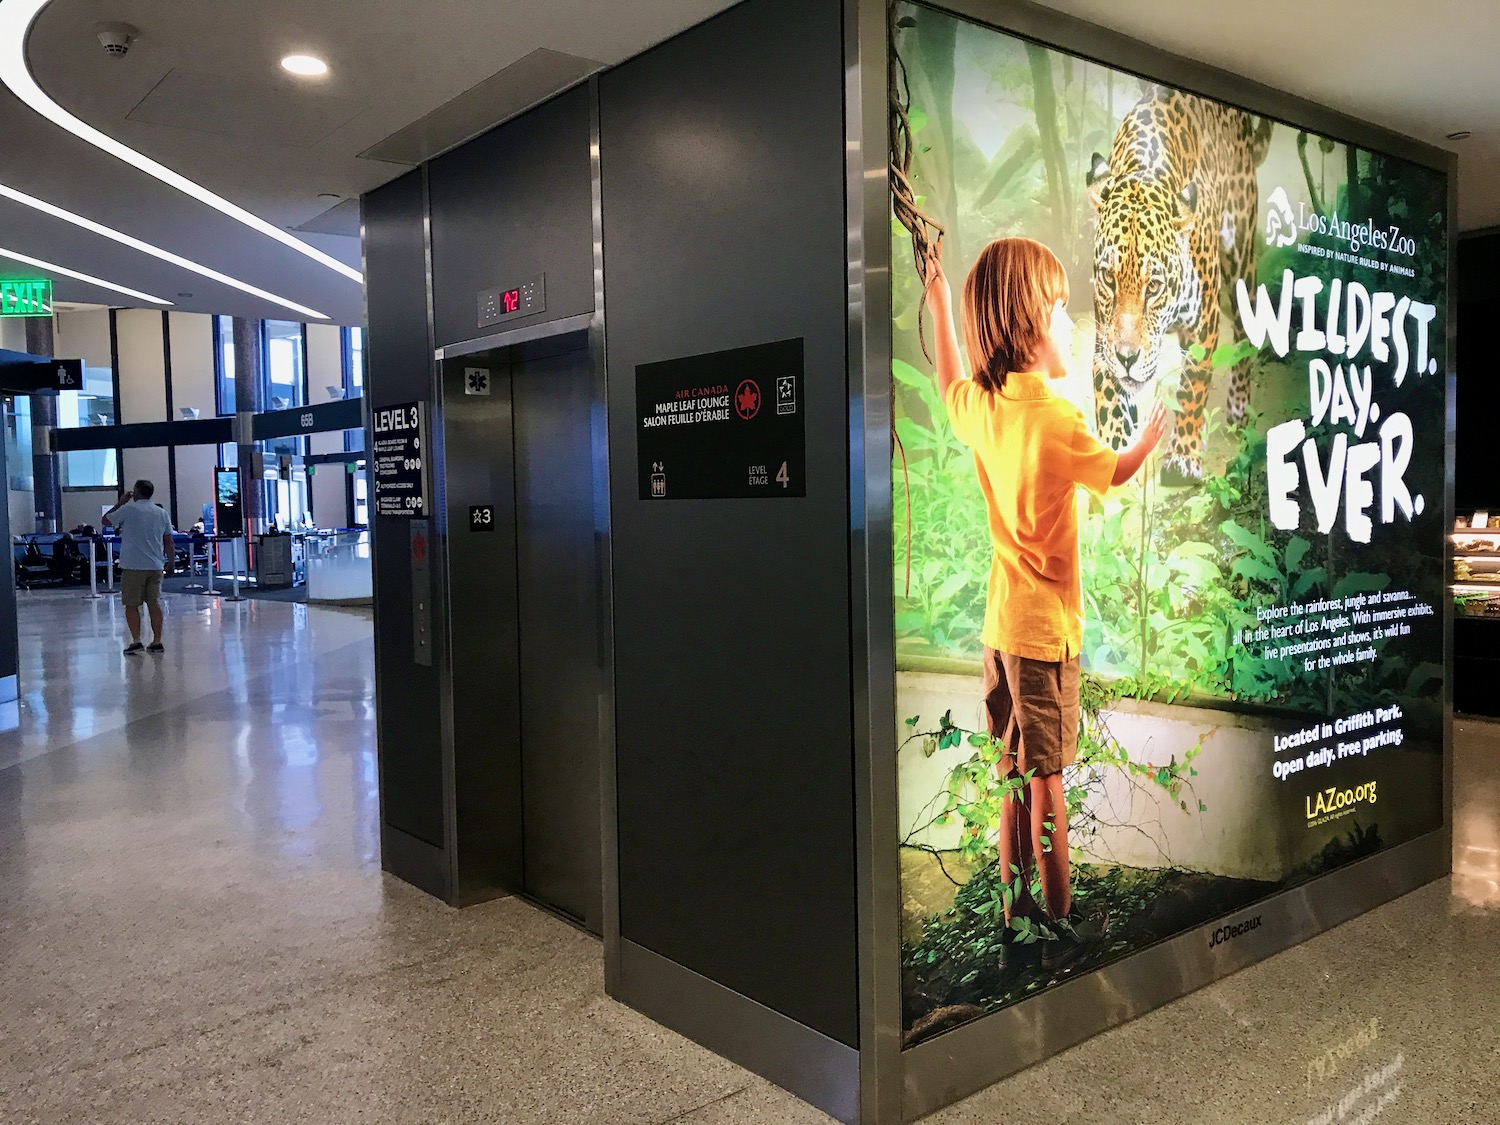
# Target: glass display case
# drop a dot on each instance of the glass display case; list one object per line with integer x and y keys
{"x": 1476, "y": 608}
{"x": 1476, "y": 565}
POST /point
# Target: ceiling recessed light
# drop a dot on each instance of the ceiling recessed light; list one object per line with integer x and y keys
{"x": 1461, "y": 135}
{"x": 16, "y": 18}
{"x": 307, "y": 66}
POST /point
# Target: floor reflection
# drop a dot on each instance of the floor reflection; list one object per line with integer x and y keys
{"x": 194, "y": 927}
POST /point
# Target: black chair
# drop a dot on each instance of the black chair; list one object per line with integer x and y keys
{"x": 32, "y": 567}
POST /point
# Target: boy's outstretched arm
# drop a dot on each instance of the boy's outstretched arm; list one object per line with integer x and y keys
{"x": 950, "y": 367}
{"x": 1134, "y": 455}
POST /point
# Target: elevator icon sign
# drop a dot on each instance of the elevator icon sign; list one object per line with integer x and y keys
{"x": 786, "y": 394}
{"x": 658, "y": 480}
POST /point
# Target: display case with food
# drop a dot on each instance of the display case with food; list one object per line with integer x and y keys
{"x": 1476, "y": 565}
{"x": 1476, "y": 601}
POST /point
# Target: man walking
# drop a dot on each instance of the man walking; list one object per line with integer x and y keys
{"x": 146, "y": 551}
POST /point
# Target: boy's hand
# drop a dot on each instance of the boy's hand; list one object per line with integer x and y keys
{"x": 939, "y": 294}
{"x": 1155, "y": 428}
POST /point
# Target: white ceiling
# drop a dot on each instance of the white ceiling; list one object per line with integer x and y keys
{"x": 273, "y": 144}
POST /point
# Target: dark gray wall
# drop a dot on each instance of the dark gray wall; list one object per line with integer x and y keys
{"x": 398, "y": 351}
{"x": 509, "y": 205}
{"x": 724, "y": 205}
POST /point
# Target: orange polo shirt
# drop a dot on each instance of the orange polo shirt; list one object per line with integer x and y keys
{"x": 1032, "y": 450}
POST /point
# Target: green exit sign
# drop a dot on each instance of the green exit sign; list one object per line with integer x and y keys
{"x": 26, "y": 298}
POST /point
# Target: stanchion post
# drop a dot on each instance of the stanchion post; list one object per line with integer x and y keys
{"x": 235, "y": 551}
{"x": 93, "y": 593}
{"x": 109, "y": 569}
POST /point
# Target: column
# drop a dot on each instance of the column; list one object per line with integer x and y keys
{"x": 46, "y": 466}
{"x": 249, "y": 400}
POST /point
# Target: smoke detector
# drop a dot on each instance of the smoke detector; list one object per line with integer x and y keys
{"x": 117, "y": 38}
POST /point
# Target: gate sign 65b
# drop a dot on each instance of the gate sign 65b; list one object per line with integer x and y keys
{"x": 400, "y": 451}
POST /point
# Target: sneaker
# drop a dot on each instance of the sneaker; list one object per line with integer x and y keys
{"x": 135, "y": 648}
{"x": 156, "y": 646}
{"x": 1070, "y": 934}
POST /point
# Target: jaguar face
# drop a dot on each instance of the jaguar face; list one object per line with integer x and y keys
{"x": 1138, "y": 275}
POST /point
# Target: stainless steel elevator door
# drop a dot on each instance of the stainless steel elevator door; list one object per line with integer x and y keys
{"x": 558, "y": 591}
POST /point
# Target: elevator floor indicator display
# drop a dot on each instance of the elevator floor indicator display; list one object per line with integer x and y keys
{"x": 723, "y": 425}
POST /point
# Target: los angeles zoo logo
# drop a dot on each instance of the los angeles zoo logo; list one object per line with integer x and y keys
{"x": 1334, "y": 803}
{"x": 1281, "y": 221}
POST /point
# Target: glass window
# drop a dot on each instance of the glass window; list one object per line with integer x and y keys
{"x": 94, "y": 405}
{"x": 354, "y": 381}
{"x": 285, "y": 365}
{"x": 354, "y": 361}
{"x": 361, "y": 497}
{"x": 224, "y": 362}
{"x": 90, "y": 468}
{"x": 18, "y": 444}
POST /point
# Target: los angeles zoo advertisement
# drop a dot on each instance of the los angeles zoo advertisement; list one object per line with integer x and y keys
{"x": 1258, "y": 689}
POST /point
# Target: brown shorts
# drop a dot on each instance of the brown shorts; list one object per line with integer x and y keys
{"x": 1032, "y": 707}
{"x": 140, "y": 587}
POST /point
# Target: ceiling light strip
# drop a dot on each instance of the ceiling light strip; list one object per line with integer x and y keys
{"x": 16, "y": 18}
{"x": 89, "y": 278}
{"x": 155, "y": 251}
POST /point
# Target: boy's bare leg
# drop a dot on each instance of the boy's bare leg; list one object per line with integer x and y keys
{"x": 1049, "y": 805}
{"x": 1016, "y": 851}
{"x": 133, "y": 622}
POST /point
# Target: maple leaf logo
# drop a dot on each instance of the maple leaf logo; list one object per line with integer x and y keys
{"x": 747, "y": 400}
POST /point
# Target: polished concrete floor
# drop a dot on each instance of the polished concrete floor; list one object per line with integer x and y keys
{"x": 194, "y": 928}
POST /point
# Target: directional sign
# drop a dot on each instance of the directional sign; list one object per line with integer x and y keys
{"x": 400, "y": 456}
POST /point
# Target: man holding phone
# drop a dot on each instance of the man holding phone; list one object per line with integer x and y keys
{"x": 146, "y": 551}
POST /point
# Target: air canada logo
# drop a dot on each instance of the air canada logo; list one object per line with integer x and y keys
{"x": 747, "y": 399}
{"x": 1281, "y": 223}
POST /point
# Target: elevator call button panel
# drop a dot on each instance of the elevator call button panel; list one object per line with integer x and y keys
{"x": 513, "y": 301}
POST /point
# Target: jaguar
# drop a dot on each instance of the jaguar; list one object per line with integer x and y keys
{"x": 1176, "y": 206}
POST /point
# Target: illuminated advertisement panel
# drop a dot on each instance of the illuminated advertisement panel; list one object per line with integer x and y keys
{"x": 1168, "y": 483}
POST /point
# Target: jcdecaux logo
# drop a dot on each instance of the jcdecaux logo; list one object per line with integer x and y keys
{"x": 1229, "y": 933}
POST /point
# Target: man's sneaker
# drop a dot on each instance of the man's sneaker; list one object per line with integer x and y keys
{"x": 135, "y": 648}
{"x": 156, "y": 646}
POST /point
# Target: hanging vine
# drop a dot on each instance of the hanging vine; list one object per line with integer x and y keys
{"x": 926, "y": 232}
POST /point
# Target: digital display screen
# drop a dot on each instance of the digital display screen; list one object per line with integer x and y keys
{"x": 526, "y": 299}
{"x": 1133, "y": 703}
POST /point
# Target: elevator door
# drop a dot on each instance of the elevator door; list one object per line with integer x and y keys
{"x": 557, "y": 587}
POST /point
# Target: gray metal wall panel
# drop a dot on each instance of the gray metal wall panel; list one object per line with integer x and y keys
{"x": 509, "y": 205}
{"x": 557, "y": 582}
{"x": 724, "y": 208}
{"x": 398, "y": 351}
